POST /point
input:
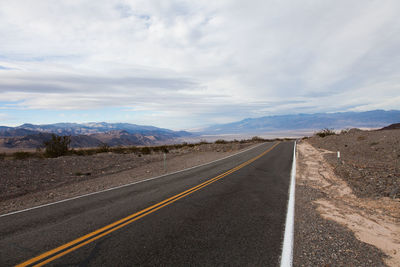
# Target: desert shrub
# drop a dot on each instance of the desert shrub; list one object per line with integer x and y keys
{"x": 163, "y": 149}
{"x": 90, "y": 151}
{"x": 57, "y": 146}
{"x": 344, "y": 131}
{"x": 79, "y": 152}
{"x": 221, "y": 141}
{"x": 145, "y": 150}
{"x": 257, "y": 139}
{"x": 325, "y": 132}
{"x": 22, "y": 155}
{"x": 119, "y": 150}
{"x": 39, "y": 153}
{"x": 83, "y": 152}
{"x": 103, "y": 148}
{"x": 203, "y": 142}
{"x": 133, "y": 149}
{"x": 178, "y": 146}
{"x": 155, "y": 148}
{"x": 2, "y": 156}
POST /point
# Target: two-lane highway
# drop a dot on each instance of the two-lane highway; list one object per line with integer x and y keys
{"x": 229, "y": 212}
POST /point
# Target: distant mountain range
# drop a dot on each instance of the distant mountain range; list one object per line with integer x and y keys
{"x": 87, "y": 134}
{"x": 342, "y": 120}
{"x": 126, "y": 134}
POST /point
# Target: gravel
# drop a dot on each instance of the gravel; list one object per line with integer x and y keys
{"x": 347, "y": 211}
{"x": 370, "y": 160}
{"x": 320, "y": 242}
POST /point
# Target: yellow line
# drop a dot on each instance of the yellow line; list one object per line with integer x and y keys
{"x": 131, "y": 218}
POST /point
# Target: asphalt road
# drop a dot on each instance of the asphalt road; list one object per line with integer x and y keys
{"x": 226, "y": 215}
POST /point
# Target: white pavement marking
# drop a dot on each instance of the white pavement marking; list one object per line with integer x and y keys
{"x": 287, "y": 250}
{"x": 125, "y": 185}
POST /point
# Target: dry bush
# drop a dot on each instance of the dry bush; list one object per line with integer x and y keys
{"x": 57, "y": 146}
{"x": 22, "y": 155}
{"x": 325, "y": 132}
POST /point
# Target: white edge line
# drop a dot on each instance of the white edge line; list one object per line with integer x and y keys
{"x": 287, "y": 250}
{"x": 125, "y": 185}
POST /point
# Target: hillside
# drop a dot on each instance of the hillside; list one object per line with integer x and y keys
{"x": 86, "y": 135}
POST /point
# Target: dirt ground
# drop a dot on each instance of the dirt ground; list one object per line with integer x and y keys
{"x": 370, "y": 160}
{"x": 355, "y": 200}
{"x": 32, "y": 182}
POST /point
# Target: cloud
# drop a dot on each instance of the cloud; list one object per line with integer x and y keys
{"x": 207, "y": 61}
{"x": 5, "y": 117}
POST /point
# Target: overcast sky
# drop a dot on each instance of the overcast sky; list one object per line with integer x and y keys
{"x": 187, "y": 64}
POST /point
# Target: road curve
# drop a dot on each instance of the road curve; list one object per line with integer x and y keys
{"x": 229, "y": 212}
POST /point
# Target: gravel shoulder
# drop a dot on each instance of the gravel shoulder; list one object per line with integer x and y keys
{"x": 337, "y": 223}
{"x": 32, "y": 182}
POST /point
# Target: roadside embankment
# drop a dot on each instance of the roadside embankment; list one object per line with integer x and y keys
{"x": 348, "y": 211}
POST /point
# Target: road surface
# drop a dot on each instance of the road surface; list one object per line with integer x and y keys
{"x": 229, "y": 212}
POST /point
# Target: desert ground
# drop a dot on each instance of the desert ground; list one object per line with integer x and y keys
{"x": 348, "y": 209}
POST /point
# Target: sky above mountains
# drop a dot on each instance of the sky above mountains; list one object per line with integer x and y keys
{"x": 186, "y": 64}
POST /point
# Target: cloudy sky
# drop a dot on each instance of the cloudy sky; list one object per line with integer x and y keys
{"x": 187, "y": 64}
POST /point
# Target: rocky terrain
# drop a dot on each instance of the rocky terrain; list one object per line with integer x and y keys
{"x": 370, "y": 160}
{"x": 348, "y": 210}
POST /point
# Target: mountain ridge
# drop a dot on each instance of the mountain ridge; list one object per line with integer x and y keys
{"x": 90, "y": 134}
{"x": 316, "y": 121}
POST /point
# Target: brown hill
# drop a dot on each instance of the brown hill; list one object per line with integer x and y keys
{"x": 393, "y": 126}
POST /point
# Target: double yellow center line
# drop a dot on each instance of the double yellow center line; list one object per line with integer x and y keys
{"x": 62, "y": 250}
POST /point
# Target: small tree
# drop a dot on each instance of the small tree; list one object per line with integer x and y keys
{"x": 57, "y": 146}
